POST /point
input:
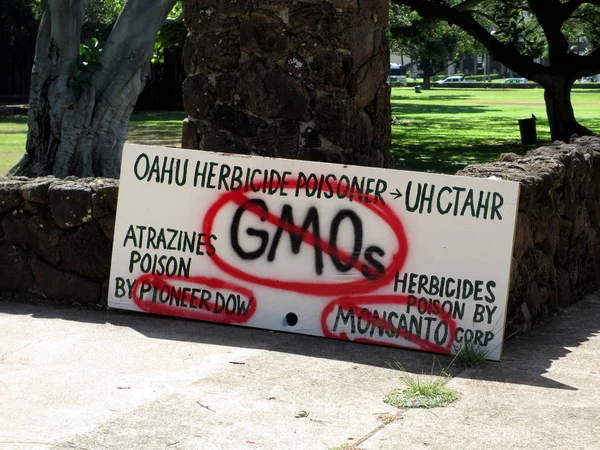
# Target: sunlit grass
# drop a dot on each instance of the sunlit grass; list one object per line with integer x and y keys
{"x": 145, "y": 127}
{"x": 156, "y": 128}
{"x": 440, "y": 130}
{"x": 443, "y": 130}
{"x": 13, "y": 135}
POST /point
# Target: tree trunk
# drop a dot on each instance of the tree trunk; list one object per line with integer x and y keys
{"x": 78, "y": 123}
{"x": 77, "y": 129}
{"x": 561, "y": 116}
{"x": 427, "y": 80}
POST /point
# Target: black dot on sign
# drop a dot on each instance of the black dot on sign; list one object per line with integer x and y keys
{"x": 291, "y": 319}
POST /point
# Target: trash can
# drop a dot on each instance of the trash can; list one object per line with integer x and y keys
{"x": 528, "y": 130}
{"x": 418, "y": 89}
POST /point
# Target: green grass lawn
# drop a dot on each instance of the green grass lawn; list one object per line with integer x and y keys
{"x": 442, "y": 130}
{"x": 145, "y": 127}
{"x": 156, "y": 128}
{"x": 13, "y": 134}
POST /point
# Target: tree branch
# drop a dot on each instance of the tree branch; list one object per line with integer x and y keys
{"x": 427, "y": 23}
{"x": 551, "y": 14}
{"x": 589, "y": 64}
{"x": 66, "y": 17}
{"x": 505, "y": 53}
{"x": 467, "y": 4}
{"x": 131, "y": 40}
{"x": 128, "y": 49}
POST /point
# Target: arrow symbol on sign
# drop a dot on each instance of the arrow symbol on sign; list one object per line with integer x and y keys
{"x": 396, "y": 194}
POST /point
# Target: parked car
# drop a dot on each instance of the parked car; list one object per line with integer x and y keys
{"x": 592, "y": 79}
{"x": 451, "y": 80}
{"x": 515, "y": 80}
{"x": 397, "y": 74}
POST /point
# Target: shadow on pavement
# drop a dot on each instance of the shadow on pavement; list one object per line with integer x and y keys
{"x": 525, "y": 359}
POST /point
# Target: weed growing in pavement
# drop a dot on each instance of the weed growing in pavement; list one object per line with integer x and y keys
{"x": 420, "y": 392}
{"x": 470, "y": 356}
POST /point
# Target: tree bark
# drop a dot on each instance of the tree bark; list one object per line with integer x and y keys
{"x": 559, "y": 109}
{"x": 77, "y": 126}
{"x": 427, "y": 80}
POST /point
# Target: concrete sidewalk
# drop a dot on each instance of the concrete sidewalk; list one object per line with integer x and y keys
{"x": 72, "y": 378}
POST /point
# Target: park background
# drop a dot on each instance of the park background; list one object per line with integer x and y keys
{"x": 438, "y": 130}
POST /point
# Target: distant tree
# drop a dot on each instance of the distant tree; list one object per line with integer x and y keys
{"x": 434, "y": 47}
{"x": 515, "y": 32}
{"x": 82, "y": 93}
{"x": 432, "y": 50}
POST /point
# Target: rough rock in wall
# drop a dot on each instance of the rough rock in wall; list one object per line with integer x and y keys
{"x": 56, "y": 237}
{"x": 556, "y": 254}
{"x": 290, "y": 79}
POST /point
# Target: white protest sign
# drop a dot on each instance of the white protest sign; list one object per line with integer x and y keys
{"x": 389, "y": 257}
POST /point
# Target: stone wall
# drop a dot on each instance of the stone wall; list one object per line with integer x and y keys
{"x": 290, "y": 79}
{"x": 55, "y": 235}
{"x": 556, "y": 255}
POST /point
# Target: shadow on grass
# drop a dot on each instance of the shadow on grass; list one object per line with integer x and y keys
{"x": 17, "y": 120}
{"x": 161, "y": 128}
{"x": 11, "y": 131}
{"x": 412, "y": 108}
{"x": 159, "y": 117}
{"x": 452, "y": 159}
{"x": 594, "y": 91}
{"x": 476, "y": 130}
{"x": 427, "y": 144}
{"x": 429, "y": 98}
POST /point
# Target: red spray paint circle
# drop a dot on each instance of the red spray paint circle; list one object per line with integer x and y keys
{"x": 381, "y": 326}
{"x": 385, "y": 213}
{"x": 211, "y": 314}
